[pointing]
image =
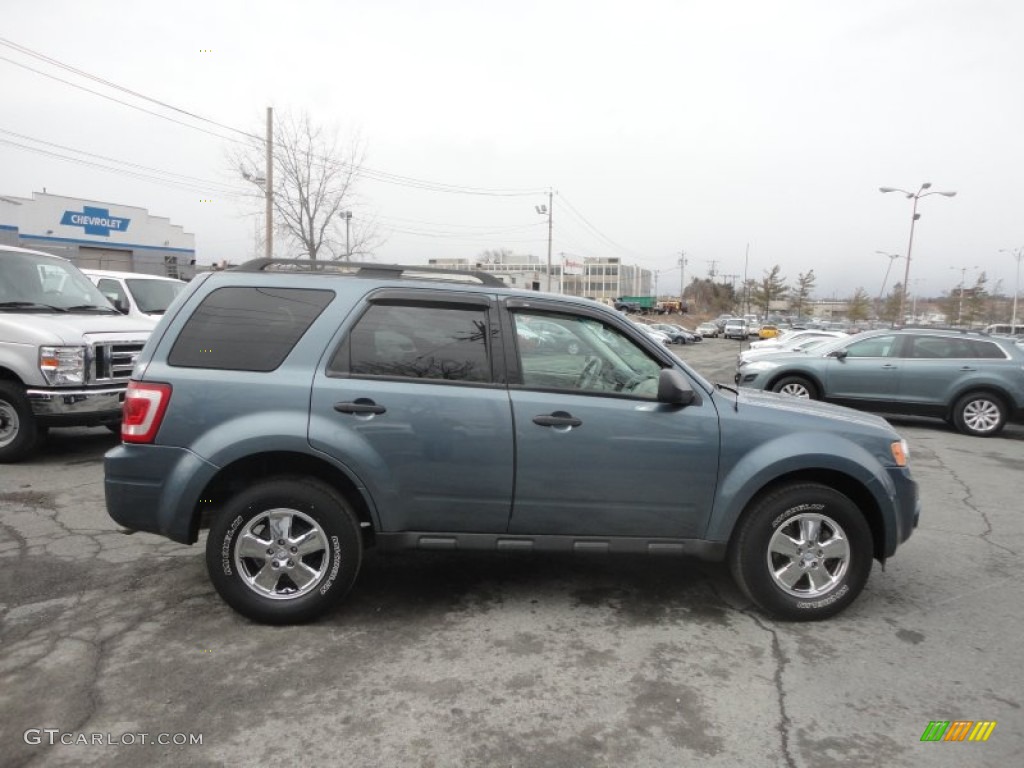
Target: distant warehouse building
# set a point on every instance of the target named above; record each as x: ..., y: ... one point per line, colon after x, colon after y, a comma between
x: 98, y: 235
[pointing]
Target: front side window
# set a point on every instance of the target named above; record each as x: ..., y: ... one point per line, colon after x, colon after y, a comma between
x: 247, y: 329
x: 879, y: 346
x: 418, y: 341
x: 580, y: 354
x: 154, y: 296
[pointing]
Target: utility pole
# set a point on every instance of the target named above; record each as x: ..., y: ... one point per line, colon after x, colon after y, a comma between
x: 549, y: 211
x: 269, y: 188
x: 711, y: 269
x: 682, y: 277
x: 746, y: 286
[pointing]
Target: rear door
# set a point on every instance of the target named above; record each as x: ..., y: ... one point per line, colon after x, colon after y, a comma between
x: 413, y: 402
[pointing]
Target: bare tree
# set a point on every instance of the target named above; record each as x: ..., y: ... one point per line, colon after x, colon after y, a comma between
x: 315, y: 179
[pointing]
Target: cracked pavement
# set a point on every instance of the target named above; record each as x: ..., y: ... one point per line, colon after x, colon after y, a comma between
x: 468, y: 660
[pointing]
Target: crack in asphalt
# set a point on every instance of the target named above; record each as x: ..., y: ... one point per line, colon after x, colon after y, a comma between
x: 785, y: 724
x: 969, y: 503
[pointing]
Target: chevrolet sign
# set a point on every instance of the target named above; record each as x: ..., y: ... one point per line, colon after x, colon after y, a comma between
x: 95, y: 221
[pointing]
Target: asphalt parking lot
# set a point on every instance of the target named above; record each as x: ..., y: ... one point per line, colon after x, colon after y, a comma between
x: 468, y: 660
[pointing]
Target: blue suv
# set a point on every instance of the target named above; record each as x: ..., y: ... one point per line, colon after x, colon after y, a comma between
x: 307, y: 411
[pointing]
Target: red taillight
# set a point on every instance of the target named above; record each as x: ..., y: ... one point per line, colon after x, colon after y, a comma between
x: 144, y: 406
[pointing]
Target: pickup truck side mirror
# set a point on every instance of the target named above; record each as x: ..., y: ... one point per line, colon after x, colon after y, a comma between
x: 674, y: 388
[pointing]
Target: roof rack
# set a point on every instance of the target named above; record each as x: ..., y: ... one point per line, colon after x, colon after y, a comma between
x: 366, y: 269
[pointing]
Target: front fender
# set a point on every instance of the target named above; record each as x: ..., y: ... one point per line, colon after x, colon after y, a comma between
x: 799, y: 452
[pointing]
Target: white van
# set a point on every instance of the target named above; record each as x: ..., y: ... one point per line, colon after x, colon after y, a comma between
x: 135, y: 294
x: 1005, y: 329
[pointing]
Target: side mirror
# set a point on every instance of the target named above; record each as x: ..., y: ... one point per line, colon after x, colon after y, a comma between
x: 674, y: 388
x: 121, y: 306
x: 839, y: 354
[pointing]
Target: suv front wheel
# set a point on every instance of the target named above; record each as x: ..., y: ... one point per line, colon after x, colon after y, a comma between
x: 285, y: 550
x: 803, y: 552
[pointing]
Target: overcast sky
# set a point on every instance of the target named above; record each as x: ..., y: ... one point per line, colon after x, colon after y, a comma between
x: 663, y: 126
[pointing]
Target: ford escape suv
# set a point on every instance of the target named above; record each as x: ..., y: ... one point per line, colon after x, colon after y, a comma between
x: 305, y: 411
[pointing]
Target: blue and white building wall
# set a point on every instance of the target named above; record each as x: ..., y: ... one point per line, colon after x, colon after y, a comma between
x: 98, y: 235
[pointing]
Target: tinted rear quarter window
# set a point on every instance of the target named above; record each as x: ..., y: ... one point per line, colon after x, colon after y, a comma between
x: 247, y: 328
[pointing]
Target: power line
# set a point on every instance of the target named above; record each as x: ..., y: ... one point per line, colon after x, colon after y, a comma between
x: 205, y: 183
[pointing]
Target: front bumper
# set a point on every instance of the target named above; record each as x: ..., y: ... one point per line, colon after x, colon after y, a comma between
x: 78, y: 406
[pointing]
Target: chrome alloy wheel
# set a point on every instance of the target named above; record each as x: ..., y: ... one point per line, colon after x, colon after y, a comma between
x: 980, y: 415
x: 282, y: 554
x: 796, y: 389
x: 8, y: 423
x: 808, y: 555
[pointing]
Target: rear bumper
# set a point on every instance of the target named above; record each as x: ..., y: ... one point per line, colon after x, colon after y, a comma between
x: 156, y: 489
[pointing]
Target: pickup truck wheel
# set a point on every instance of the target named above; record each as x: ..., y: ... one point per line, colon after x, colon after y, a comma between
x: 19, y: 433
x: 797, y: 386
x: 802, y: 552
x: 979, y: 414
x: 284, y: 550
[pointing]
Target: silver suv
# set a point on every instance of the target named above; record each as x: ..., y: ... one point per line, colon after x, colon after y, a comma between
x: 972, y: 380
x: 306, y: 411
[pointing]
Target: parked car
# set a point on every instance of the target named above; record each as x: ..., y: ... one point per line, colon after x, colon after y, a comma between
x: 305, y: 412
x: 972, y: 381
x: 801, y: 344
x: 676, y: 333
x: 136, y: 294
x: 736, y: 328
x: 768, y: 332
x: 790, y: 337
x: 709, y: 330
x: 65, y: 352
x: 556, y: 337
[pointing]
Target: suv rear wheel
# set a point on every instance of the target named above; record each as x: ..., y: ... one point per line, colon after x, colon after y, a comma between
x: 803, y: 552
x: 285, y: 550
x: 979, y: 414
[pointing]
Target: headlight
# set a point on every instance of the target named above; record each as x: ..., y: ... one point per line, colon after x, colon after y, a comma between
x: 62, y: 366
x: 900, y: 453
x: 758, y: 366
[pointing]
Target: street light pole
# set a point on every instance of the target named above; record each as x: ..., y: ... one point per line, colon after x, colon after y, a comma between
x: 269, y: 188
x: 914, y: 216
x: 347, y: 216
x: 549, y: 211
x: 881, y: 291
x: 960, y: 308
x: 682, y: 278
x: 1017, y: 253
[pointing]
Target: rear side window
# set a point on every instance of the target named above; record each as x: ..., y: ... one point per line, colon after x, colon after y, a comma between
x: 247, y: 329
x: 450, y: 343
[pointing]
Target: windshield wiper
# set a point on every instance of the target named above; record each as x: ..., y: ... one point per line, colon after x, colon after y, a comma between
x: 85, y: 307
x: 29, y: 305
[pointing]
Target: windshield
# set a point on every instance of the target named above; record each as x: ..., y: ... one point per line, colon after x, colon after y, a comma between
x: 154, y: 296
x: 31, y: 281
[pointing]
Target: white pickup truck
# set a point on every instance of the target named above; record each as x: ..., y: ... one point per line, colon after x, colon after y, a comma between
x: 65, y: 353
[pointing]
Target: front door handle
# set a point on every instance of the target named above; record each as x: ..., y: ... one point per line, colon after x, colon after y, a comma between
x: 362, y: 405
x: 557, y: 419
x: 888, y: 367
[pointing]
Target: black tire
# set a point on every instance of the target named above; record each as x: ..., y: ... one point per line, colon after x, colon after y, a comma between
x: 304, y: 586
x: 19, y: 433
x: 980, y: 414
x: 772, y: 523
x: 797, y: 386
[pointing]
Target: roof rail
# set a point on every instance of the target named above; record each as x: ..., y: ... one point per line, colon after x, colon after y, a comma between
x: 367, y: 269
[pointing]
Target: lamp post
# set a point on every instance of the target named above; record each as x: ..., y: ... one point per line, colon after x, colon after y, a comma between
x: 347, y: 216
x: 1017, y: 253
x: 914, y: 216
x: 548, y: 210
x: 881, y: 291
x: 960, y: 308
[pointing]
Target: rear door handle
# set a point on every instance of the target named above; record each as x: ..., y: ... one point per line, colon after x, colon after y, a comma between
x: 888, y: 367
x: 557, y: 419
x: 362, y: 405
x: 968, y: 368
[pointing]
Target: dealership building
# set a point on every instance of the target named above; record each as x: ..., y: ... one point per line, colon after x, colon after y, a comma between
x: 98, y: 235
